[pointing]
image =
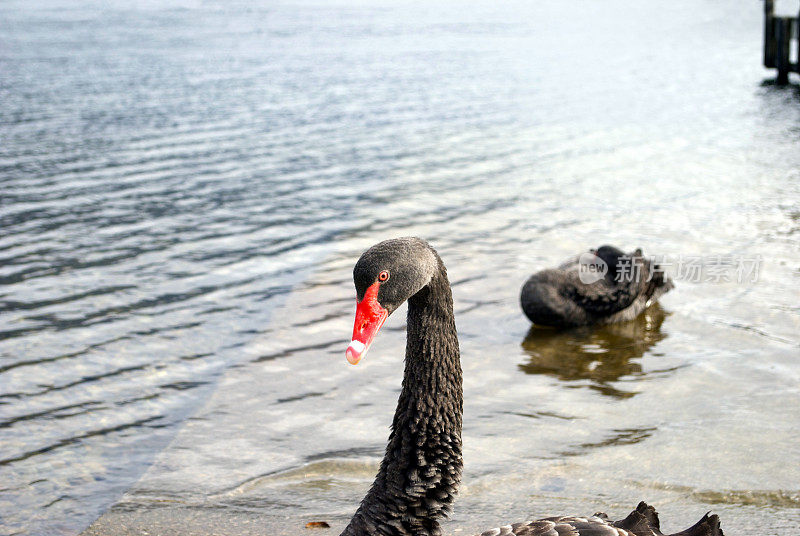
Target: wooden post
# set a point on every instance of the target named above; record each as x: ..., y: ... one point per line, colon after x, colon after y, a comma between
x: 783, y: 38
x: 769, y: 33
x: 797, y: 34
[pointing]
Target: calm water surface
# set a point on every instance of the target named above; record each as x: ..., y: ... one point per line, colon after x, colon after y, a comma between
x: 185, y: 186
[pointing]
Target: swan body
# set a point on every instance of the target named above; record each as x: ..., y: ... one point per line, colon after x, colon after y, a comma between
x: 421, y: 469
x: 570, y: 296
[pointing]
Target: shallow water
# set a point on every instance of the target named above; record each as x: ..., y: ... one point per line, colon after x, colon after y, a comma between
x: 185, y: 188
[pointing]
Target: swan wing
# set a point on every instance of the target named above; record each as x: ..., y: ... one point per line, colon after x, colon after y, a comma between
x: 560, y: 526
x: 601, y: 298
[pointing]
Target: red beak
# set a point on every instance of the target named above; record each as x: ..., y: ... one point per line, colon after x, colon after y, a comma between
x: 370, y: 316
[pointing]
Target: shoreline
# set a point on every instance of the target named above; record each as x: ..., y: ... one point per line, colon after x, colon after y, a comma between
x: 199, y: 521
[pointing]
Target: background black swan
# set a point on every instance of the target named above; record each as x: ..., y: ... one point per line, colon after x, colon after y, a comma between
x: 421, y: 470
x: 570, y: 296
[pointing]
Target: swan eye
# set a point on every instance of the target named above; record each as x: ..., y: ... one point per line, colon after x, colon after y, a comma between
x: 383, y: 276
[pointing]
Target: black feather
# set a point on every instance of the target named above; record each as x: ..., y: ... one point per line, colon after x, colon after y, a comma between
x: 558, y: 297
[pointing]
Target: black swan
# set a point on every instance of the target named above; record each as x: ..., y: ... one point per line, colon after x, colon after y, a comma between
x: 420, y: 473
x: 599, y: 287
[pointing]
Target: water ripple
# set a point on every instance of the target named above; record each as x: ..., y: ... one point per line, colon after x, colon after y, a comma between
x: 170, y: 177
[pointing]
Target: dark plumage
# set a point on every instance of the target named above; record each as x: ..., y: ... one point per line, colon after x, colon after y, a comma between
x: 643, y: 521
x: 420, y: 472
x: 570, y: 296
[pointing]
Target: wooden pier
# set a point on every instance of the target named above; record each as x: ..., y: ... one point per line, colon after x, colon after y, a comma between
x: 779, y: 32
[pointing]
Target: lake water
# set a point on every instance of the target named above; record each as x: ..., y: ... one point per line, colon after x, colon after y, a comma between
x: 186, y: 185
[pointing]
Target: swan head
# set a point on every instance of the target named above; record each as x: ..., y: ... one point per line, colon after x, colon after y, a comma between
x: 385, y: 276
x: 611, y: 256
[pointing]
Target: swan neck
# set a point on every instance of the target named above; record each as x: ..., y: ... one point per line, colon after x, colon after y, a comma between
x: 421, y: 470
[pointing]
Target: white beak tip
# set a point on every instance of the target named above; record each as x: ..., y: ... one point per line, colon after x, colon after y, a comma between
x: 355, y: 352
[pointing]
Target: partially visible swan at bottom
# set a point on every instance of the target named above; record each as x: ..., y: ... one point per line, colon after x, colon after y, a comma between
x: 421, y: 470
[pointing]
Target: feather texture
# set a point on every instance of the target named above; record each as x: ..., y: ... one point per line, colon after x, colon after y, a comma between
x: 564, y: 297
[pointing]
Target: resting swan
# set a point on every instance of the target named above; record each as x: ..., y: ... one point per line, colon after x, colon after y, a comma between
x: 598, y: 287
